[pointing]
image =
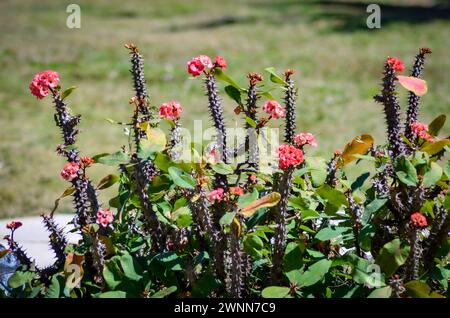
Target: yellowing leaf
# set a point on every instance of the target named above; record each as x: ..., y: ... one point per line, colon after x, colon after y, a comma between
x: 4, y: 252
x: 74, y: 263
x: 265, y: 202
x: 358, y: 146
x: 435, y: 147
x: 413, y: 84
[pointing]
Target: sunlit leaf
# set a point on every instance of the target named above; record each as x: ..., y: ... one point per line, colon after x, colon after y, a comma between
x: 359, y: 145
x: 265, y: 202
x: 67, y: 92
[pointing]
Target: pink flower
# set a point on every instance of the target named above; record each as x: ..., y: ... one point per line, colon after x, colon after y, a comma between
x: 87, y: 161
x: 305, y: 139
x: 216, y: 195
x: 220, y: 62
x: 274, y: 109
x: 197, y: 65
x: 396, y: 64
x: 237, y: 191
x: 289, y: 156
x: 170, y: 110
x: 253, y: 178
x: 13, y: 225
x: 421, y: 130
x: 104, y: 217
x: 70, y: 171
x: 41, y: 83
x: 418, y: 219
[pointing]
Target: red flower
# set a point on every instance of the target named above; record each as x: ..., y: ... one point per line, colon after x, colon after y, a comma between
x: 104, y: 217
x: 396, y: 64
x: 418, y: 220
x: 305, y: 139
x: 170, y: 110
x: 237, y: 191
x: 421, y: 130
x: 253, y: 178
x: 13, y: 225
x: 289, y: 156
x: 216, y: 195
x: 237, y: 110
x: 70, y: 171
x: 274, y: 109
x: 198, y: 64
x: 220, y: 62
x: 87, y: 161
x: 41, y: 83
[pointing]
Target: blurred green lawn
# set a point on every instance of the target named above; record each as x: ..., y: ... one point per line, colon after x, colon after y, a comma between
x: 338, y: 60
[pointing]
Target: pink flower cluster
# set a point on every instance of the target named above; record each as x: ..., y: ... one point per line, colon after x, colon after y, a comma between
x: 396, y: 64
x: 421, y: 130
x: 104, y: 217
x: 199, y: 63
x: 418, y: 219
x: 305, y: 138
x: 41, y: 83
x: 238, y: 191
x: 70, y: 171
x: 289, y: 156
x: 13, y: 225
x: 86, y: 161
x: 170, y: 110
x: 274, y: 109
x: 216, y: 195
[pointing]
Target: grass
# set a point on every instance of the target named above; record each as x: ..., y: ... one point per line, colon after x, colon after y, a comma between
x: 338, y: 60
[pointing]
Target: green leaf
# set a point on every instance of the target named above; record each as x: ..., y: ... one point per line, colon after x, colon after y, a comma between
x: 20, y: 278
x: 359, y: 182
x: 447, y: 168
x: 253, y: 245
x: 406, y: 172
x: 220, y: 75
x: 384, y: 292
x: 329, y: 233
x: 164, y: 292
x: 248, y: 198
x: 433, y: 175
x: 418, y: 289
x: 333, y: 196
x: 436, y: 125
x: 182, y: 216
x: 314, y: 273
x: 392, y: 256
x: 108, y: 181
x: 171, y: 260
x: 251, y: 122
x: 274, y: 77
x: 222, y: 168
x: 318, y: 169
x: 156, y: 142
x: 371, y: 208
x: 234, y: 93
x: 275, y: 292
x: 293, y: 257
x: 181, y: 178
x: 227, y: 218
x: 309, y: 214
x: 113, y: 294
x: 56, y: 288
x: 112, y: 273
x: 113, y: 159
x: 67, y: 92
x: 129, y: 267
